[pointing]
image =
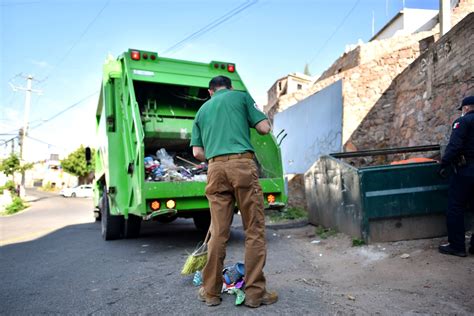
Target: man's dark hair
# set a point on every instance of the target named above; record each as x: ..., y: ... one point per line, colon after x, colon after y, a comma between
x: 220, y: 82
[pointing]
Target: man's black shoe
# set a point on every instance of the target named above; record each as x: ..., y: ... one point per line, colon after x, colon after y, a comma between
x: 448, y: 250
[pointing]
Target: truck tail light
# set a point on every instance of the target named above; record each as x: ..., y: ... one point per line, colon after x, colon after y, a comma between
x: 230, y: 67
x: 135, y: 55
x: 170, y: 204
x: 155, y: 205
x: 145, y: 56
x: 271, y: 198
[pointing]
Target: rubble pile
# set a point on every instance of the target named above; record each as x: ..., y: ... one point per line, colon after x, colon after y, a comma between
x: 162, y: 167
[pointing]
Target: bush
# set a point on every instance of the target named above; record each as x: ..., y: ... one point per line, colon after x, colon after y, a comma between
x: 9, y: 185
x: 291, y: 213
x: 16, y: 206
x: 356, y: 242
x: 49, y: 187
x: 325, y: 233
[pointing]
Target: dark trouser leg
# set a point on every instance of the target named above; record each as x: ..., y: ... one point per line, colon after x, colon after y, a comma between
x: 459, y: 194
x: 221, y: 201
x: 248, y: 193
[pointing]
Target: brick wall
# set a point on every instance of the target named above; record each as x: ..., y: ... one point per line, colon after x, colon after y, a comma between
x: 419, y: 105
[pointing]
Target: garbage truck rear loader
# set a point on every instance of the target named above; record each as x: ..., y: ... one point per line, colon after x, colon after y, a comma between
x: 144, y: 167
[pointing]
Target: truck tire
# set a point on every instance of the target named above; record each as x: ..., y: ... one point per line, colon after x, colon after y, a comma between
x: 202, y: 221
x: 166, y: 219
x: 112, y: 226
x: 132, y: 226
x: 73, y: 194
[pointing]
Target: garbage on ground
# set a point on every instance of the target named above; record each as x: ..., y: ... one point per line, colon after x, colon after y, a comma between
x: 162, y: 168
x: 197, y: 280
x: 234, y: 281
x: 405, y: 256
x: 316, y: 241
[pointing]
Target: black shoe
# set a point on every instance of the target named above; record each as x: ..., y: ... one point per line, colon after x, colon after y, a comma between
x: 448, y: 250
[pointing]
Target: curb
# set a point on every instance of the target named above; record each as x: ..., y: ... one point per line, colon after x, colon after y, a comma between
x: 17, y: 213
x: 287, y: 225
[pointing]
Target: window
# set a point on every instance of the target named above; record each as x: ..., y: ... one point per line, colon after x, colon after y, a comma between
x: 299, y: 86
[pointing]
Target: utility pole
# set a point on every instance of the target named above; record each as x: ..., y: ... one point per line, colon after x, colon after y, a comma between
x: 24, y: 130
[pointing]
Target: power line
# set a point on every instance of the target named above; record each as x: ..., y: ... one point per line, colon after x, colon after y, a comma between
x: 335, y: 31
x: 211, y: 25
x: 64, y: 111
x: 77, y: 41
x: 43, y: 142
x: 41, y: 122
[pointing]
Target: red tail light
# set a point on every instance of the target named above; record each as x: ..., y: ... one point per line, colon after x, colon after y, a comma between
x: 230, y: 67
x: 135, y: 55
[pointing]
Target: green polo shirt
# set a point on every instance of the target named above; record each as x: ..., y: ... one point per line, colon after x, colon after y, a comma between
x: 222, y: 124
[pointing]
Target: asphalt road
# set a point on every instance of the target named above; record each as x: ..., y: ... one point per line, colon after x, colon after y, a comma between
x: 54, y: 261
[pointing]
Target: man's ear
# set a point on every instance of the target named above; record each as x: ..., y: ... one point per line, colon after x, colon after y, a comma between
x: 211, y: 92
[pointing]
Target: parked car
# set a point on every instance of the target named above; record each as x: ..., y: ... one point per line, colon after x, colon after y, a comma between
x: 79, y: 191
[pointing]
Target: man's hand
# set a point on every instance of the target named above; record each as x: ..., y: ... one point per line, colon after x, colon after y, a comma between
x: 443, y: 172
x: 198, y: 153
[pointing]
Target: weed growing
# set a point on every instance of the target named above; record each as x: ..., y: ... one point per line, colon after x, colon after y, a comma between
x: 291, y: 213
x: 325, y: 233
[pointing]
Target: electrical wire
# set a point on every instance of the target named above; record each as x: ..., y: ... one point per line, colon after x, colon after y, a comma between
x: 41, y: 141
x: 63, y: 111
x: 74, y: 44
x: 174, y: 48
x: 334, y: 32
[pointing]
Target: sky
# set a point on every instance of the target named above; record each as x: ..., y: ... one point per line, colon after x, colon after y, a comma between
x: 63, y: 44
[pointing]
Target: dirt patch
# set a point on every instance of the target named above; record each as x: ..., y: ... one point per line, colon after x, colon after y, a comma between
x: 405, y: 277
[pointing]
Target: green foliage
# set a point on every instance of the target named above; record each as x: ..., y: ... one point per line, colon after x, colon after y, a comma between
x: 16, y: 206
x: 48, y: 187
x: 9, y: 185
x: 357, y: 242
x: 291, y: 213
x: 12, y: 164
x: 325, y: 233
x: 76, y: 164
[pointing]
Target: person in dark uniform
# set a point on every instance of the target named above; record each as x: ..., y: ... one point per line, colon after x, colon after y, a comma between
x: 459, y: 156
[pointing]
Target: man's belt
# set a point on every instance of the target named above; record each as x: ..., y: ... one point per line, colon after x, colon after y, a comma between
x: 246, y: 155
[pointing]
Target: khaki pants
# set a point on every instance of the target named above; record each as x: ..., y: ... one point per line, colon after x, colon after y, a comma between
x: 235, y: 180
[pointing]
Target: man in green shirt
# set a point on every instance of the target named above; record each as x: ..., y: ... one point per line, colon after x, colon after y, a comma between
x: 221, y: 135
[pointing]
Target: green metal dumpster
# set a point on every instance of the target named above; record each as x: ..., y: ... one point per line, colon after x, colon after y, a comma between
x: 377, y: 203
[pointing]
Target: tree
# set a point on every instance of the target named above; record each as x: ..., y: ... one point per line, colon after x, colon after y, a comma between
x: 12, y: 164
x: 76, y: 164
x: 306, y: 70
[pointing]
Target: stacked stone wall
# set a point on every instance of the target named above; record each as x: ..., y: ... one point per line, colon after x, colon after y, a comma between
x: 420, y: 104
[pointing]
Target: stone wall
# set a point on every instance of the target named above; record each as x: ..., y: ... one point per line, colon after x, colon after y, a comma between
x: 363, y: 83
x: 419, y: 105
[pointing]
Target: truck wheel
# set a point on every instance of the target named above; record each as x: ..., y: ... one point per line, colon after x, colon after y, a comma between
x: 112, y: 226
x: 73, y: 194
x: 132, y: 226
x: 202, y: 221
x: 166, y: 219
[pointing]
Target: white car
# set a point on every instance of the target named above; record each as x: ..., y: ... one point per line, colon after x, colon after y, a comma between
x: 79, y: 191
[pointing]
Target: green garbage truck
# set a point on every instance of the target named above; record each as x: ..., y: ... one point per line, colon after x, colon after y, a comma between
x: 144, y: 168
